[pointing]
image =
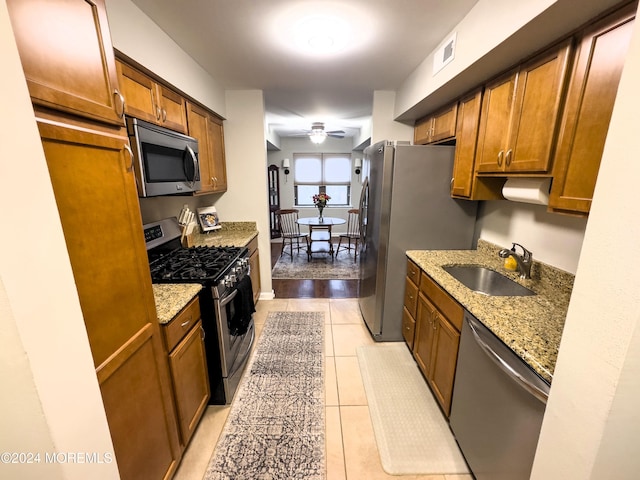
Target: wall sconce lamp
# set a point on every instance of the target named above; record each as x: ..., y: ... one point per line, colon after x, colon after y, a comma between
x: 357, y: 163
x: 286, y: 165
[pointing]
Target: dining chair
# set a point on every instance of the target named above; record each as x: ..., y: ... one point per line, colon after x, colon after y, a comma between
x: 353, y: 233
x: 290, y: 230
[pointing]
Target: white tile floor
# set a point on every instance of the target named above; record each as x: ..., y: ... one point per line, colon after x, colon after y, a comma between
x: 352, y: 453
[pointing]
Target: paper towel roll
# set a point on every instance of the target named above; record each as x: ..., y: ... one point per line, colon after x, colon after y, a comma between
x: 527, y: 190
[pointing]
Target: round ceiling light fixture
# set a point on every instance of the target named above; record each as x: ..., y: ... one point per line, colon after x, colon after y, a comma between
x: 313, y: 29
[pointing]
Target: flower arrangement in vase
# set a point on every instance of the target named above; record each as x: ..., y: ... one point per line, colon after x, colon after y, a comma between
x: 320, y: 201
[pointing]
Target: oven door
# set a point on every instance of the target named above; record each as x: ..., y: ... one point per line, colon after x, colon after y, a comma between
x: 234, y: 349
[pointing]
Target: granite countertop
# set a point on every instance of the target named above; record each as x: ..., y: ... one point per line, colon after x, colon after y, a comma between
x: 171, y: 298
x: 531, y: 326
x: 235, y: 234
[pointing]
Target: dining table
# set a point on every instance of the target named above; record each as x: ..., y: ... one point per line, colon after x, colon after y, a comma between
x: 320, y: 234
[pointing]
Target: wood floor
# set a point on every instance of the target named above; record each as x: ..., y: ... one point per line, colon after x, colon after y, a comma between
x: 311, y: 288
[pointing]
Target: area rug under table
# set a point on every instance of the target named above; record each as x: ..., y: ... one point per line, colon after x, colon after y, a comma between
x: 276, y: 425
x: 321, y: 267
x: 412, y: 434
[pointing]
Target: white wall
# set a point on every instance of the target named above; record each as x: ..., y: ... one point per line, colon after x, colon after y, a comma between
x: 246, y: 199
x: 135, y: 35
x: 50, y: 399
x: 289, y: 146
x: 554, y: 239
x: 592, y: 423
x: 383, y: 125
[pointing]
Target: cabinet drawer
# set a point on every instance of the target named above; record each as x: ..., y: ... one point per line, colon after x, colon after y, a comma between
x: 445, y: 303
x: 413, y: 272
x: 408, y: 327
x: 410, y: 296
x: 177, y: 328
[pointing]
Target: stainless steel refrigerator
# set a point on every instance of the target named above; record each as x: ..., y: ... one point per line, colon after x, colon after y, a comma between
x: 405, y: 205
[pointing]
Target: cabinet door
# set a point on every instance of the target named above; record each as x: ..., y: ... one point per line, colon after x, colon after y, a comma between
x: 445, y: 356
x: 92, y: 178
x: 422, y: 131
x: 219, y: 169
x: 208, y: 130
x: 172, y: 109
x: 67, y: 57
x: 139, y: 92
x: 191, y: 381
x: 424, y: 335
x: 539, y: 92
x: 497, y: 105
x: 592, y: 91
x: 444, y: 124
x: 198, y: 121
x: 466, y: 140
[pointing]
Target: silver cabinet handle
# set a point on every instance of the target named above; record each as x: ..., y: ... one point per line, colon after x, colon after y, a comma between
x: 158, y: 112
x: 500, y: 154
x: 204, y: 334
x: 184, y: 324
x: 164, y: 115
x: 117, y: 94
x: 508, y: 157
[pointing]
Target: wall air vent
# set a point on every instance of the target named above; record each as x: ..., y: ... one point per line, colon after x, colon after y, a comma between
x: 445, y: 53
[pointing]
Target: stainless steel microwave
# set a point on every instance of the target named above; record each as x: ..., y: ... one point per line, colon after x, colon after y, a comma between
x: 166, y: 162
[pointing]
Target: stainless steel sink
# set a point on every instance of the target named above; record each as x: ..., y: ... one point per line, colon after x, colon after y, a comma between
x: 486, y: 281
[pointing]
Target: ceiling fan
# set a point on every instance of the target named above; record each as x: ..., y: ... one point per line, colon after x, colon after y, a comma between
x: 318, y: 134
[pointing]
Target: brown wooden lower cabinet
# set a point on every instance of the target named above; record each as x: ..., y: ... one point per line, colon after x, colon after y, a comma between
x: 431, y: 327
x: 184, y: 339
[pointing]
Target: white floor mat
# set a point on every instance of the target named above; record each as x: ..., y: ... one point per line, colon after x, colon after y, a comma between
x: 412, y: 434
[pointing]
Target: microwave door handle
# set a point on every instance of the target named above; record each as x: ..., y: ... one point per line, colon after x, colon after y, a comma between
x: 192, y: 154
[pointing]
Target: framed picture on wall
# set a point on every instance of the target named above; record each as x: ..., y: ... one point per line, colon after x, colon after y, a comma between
x: 209, y: 220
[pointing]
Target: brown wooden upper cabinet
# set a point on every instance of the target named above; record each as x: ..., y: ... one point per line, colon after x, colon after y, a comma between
x: 436, y: 127
x: 207, y: 128
x: 520, y: 114
x: 149, y: 100
x: 600, y: 56
x: 72, y: 72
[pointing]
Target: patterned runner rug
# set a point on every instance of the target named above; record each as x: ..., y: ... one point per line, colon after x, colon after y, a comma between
x: 321, y: 267
x: 276, y: 426
x: 412, y: 434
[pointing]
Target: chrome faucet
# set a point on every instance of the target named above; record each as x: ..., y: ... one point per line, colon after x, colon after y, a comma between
x: 524, y: 261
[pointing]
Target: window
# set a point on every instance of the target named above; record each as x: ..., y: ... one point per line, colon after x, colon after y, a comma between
x: 328, y: 173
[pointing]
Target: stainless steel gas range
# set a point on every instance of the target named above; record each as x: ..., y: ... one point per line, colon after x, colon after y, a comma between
x: 226, y: 300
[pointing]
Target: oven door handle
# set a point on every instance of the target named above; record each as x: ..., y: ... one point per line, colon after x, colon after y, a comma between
x: 228, y: 298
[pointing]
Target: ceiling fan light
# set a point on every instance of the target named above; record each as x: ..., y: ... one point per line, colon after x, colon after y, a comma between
x: 318, y: 136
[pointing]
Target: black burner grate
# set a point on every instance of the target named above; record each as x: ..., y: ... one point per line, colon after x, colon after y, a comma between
x: 195, y: 264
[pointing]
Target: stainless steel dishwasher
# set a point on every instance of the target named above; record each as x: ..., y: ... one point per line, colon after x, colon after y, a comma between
x: 497, y: 407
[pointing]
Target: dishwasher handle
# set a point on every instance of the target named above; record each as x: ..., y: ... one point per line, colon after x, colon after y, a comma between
x: 504, y: 365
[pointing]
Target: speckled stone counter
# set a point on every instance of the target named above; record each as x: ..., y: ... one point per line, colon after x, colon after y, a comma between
x: 235, y: 234
x: 173, y: 297
x: 531, y: 326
